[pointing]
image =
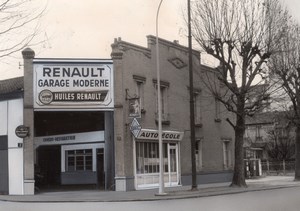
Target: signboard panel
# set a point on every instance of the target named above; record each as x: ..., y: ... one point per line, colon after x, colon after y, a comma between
x: 74, y: 138
x: 166, y: 135
x: 135, y: 127
x: 22, y: 131
x: 134, y: 108
x: 71, y: 84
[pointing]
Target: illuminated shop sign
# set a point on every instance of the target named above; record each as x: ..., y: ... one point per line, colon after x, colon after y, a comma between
x: 73, y: 84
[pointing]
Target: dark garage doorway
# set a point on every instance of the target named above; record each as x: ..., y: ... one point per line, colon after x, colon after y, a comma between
x: 48, y: 162
x: 48, y: 167
x: 100, y: 169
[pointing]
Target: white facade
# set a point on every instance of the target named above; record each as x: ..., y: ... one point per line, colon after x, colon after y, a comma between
x: 3, y: 119
x: 11, y: 112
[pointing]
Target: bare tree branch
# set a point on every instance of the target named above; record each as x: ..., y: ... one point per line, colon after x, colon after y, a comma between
x: 241, y: 35
x: 19, y: 21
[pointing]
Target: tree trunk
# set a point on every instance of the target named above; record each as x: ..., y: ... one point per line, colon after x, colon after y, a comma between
x: 238, y: 179
x: 297, y: 155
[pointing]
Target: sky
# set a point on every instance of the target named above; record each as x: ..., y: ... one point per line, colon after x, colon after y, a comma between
x: 87, y: 28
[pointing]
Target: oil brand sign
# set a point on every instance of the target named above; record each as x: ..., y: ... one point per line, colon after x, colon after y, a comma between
x: 71, y: 84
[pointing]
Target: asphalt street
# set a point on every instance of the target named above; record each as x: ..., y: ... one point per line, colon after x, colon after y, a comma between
x: 281, y: 199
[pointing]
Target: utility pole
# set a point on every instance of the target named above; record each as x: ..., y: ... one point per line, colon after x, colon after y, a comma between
x: 192, y: 108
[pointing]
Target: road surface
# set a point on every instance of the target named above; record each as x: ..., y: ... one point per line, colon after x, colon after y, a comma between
x: 284, y: 199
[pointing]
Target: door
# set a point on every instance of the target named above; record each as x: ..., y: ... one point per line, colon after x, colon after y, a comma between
x: 100, y: 168
x: 173, y: 172
x: 48, y: 167
x: 4, y: 165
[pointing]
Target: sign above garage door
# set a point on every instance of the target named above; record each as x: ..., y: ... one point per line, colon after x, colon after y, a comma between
x: 72, y: 84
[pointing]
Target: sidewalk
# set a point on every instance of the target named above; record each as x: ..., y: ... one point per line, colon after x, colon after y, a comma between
x: 266, y: 183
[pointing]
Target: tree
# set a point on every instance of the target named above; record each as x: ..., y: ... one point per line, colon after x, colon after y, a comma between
x: 241, y: 35
x: 285, y: 65
x: 19, y: 21
x: 281, y: 144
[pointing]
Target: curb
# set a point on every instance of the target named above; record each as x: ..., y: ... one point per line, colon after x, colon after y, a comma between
x: 170, y: 196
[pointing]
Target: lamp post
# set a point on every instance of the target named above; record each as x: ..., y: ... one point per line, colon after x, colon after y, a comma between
x: 160, y: 143
x: 192, y: 108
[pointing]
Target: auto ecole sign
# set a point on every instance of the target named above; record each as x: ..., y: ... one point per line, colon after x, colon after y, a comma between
x: 166, y: 135
x: 73, y: 84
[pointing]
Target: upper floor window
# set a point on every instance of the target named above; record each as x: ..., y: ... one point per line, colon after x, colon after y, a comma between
x: 139, y: 90
x: 217, y: 110
x: 197, y: 108
x: 164, y: 86
x: 258, y: 135
x: 281, y: 132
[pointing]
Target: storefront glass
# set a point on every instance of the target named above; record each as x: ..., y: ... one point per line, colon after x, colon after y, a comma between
x: 147, y: 164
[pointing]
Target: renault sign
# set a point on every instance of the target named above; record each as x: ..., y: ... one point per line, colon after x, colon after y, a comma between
x: 68, y: 84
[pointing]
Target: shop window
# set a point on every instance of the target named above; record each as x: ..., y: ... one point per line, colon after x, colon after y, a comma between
x: 147, y: 157
x: 79, y: 160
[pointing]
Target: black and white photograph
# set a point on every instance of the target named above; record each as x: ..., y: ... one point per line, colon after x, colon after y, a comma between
x: 150, y: 105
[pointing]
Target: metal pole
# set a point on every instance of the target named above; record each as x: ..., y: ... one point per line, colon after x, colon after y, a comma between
x: 192, y: 112
x: 160, y: 143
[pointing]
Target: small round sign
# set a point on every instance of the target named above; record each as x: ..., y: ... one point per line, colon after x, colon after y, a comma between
x: 46, y: 97
x: 22, y: 131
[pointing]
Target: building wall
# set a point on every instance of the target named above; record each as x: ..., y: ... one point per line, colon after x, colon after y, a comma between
x: 258, y: 132
x: 15, y: 150
x: 134, y: 63
x: 3, y: 120
x: 28, y: 55
x: 109, y: 151
x: 215, y: 129
x: 263, y: 128
x: 131, y: 63
x: 4, y: 165
x: 29, y: 150
x: 12, y: 116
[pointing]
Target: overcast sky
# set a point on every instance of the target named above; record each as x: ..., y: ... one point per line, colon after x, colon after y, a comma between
x: 87, y: 28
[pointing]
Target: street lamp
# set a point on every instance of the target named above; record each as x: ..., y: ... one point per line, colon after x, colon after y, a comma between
x: 192, y: 118
x: 160, y: 143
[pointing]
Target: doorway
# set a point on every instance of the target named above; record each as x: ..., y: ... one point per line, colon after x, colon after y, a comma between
x: 4, y: 165
x: 100, y: 169
x: 173, y: 174
x: 48, y: 167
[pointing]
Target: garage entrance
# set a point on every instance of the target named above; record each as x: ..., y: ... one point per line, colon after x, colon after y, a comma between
x: 48, y: 167
x: 70, y: 150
